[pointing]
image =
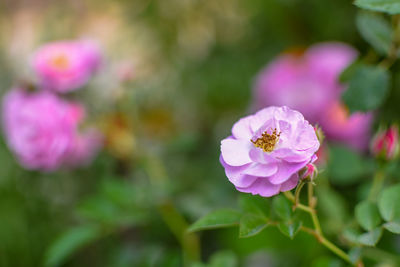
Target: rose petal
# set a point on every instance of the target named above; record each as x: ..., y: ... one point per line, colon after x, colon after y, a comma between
x: 236, y: 152
x: 260, y: 118
x: 261, y: 187
x: 261, y: 170
x: 241, y: 129
x: 285, y: 171
x: 235, y: 174
x: 291, y: 183
x: 258, y: 155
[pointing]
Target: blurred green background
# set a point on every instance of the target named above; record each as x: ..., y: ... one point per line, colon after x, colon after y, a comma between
x: 192, y: 64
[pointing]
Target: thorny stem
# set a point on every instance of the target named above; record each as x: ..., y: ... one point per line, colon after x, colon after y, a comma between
x: 317, y: 231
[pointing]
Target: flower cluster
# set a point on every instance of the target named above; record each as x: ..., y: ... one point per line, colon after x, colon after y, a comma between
x: 267, y: 150
x: 309, y: 83
x: 41, y: 128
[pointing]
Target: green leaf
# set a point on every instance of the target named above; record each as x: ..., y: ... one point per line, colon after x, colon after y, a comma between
x: 375, y: 30
x: 217, y: 219
x: 367, y: 88
x: 367, y: 215
x: 282, y: 207
x: 224, y: 259
x: 389, y: 203
x: 255, y: 204
x: 70, y: 242
x: 370, y: 238
x: 333, y: 207
x: 355, y: 254
x: 326, y: 261
x: 345, y: 165
x: 393, y: 227
x: 389, y: 6
x: 251, y: 225
x: 290, y: 229
x: 348, y: 72
x: 351, y: 235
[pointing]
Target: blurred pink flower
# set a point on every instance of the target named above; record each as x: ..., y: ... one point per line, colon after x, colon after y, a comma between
x: 41, y: 129
x: 309, y: 83
x: 339, y: 125
x: 267, y: 150
x: 65, y: 66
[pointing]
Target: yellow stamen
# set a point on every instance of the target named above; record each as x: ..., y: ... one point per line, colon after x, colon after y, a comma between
x: 267, y: 141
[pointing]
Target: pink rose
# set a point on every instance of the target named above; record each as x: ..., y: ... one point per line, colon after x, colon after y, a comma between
x: 65, y: 66
x: 41, y: 129
x: 267, y: 150
x: 339, y: 125
x: 309, y: 83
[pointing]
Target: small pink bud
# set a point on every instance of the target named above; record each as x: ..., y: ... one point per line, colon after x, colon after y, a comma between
x: 310, y: 171
x: 386, y: 143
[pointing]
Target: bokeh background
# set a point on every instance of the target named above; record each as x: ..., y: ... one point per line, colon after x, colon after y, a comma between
x: 177, y: 75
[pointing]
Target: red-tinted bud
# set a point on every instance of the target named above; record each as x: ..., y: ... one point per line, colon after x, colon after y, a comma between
x: 386, y: 143
x: 310, y: 171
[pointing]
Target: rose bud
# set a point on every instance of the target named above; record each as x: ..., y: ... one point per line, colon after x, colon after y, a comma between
x: 385, y: 144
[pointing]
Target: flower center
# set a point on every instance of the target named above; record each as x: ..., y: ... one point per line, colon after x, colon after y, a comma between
x: 60, y: 61
x: 267, y: 141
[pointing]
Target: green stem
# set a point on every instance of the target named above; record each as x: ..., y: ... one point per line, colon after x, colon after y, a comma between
x: 377, y: 185
x: 317, y: 231
x: 174, y: 220
x: 335, y: 249
x: 178, y: 226
x: 329, y: 245
x: 297, y: 193
x: 300, y: 206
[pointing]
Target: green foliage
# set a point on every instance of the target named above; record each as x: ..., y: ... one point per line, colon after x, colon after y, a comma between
x: 393, y: 227
x: 255, y: 205
x: 217, y: 219
x: 367, y: 215
x: 116, y: 203
x: 345, y: 165
x: 355, y: 254
x: 69, y: 242
x: 370, y: 238
x: 289, y: 224
x: 290, y: 228
x: 389, y: 203
x: 367, y: 89
x: 254, y: 217
x: 220, y: 259
x: 388, y: 6
x: 282, y: 208
x: 332, y: 206
x: 326, y: 261
x: 252, y: 224
x: 376, y: 30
